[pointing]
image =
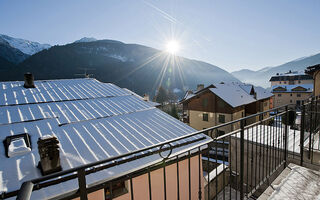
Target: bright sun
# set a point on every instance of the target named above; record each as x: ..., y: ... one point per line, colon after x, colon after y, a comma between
x: 172, y: 47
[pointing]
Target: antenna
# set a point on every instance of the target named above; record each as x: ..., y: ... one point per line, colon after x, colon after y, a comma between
x: 85, y: 73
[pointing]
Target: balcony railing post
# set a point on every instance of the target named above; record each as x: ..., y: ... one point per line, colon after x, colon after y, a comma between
x: 242, y: 124
x: 25, y: 191
x: 310, y: 127
x: 82, y: 184
x: 286, y: 137
x: 302, y: 120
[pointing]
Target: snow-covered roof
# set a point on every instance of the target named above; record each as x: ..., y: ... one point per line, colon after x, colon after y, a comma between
x: 235, y: 94
x: 92, y: 120
x: 291, y: 76
x: 232, y: 94
x: 289, y: 88
x: 263, y: 134
x: 260, y: 91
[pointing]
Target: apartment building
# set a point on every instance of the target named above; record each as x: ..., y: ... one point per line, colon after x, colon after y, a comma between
x: 291, y: 78
x: 57, y: 126
x: 291, y: 88
x: 221, y: 103
x: 291, y: 94
x: 314, y: 71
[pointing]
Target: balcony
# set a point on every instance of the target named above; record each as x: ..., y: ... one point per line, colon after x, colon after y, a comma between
x: 246, y: 163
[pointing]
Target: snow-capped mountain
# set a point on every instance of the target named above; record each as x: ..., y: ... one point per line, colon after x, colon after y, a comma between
x: 261, y: 77
x: 25, y: 46
x: 86, y: 39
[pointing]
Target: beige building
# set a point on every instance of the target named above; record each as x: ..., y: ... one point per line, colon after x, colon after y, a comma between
x: 221, y: 103
x: 314, y: 71
x: 291, y: 94
x: 291, y: 88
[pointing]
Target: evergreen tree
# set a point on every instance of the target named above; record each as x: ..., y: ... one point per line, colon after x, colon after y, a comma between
x: 161, y: 95
x: 174, y: 111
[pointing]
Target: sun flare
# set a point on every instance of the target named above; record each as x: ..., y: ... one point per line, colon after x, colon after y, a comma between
x: 172, y: 47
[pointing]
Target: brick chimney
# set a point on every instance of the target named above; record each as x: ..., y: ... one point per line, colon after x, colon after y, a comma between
x: 49, y: 155
x: 28, y: 80
x: 146, y: 97
x: 200, y: 87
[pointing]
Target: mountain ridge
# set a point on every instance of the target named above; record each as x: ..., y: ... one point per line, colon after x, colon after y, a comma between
x: 136, y: 67
x: 261, y: 77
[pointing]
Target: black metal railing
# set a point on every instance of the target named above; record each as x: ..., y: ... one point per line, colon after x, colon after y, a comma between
x: 237, y: 165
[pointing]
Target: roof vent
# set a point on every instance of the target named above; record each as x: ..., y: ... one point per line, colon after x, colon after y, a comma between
x: 28, y: 80
x: 49, y: 154
x: 17, y: 145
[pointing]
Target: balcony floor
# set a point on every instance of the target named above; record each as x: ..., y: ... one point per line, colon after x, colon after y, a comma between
x: 295, y: 182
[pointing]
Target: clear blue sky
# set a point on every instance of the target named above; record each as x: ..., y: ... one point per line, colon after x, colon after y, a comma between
x: 230, y: 34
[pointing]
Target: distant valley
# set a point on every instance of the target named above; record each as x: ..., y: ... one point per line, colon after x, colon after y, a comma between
x: 262, y: 77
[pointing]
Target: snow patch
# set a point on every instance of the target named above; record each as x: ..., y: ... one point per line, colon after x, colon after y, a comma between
x: 18, y: 147
x: 86, y: 39
x: 118, y: 57
x: 26, y: 46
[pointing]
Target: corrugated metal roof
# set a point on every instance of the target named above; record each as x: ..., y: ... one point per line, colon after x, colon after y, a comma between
x: 273, y: 136
x: 13, y: 93
x: 91, y: 126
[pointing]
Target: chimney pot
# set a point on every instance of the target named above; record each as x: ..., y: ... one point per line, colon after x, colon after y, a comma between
x: 49, y: 155
x: 28, y: 80
x: 200, y: 87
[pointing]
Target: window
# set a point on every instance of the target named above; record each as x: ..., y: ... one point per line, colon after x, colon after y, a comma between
x: 279, y: 95
x: 290, y: 101
x: 17, y: 145
x: 285, y: 82
x: 265, y: 104
x: 290, y: 95
x: 118, y: 189
x: 298, y: 95
x: 205, y: 102
x: 222, y: 119
x: 299, y: 81
x: 280, y: 82
x: 205, y: 117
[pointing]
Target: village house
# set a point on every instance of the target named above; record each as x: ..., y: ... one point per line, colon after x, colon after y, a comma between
x: 314, y: 72
x: 291, y: 88
x: 52, y: 126
x: 221, y: 103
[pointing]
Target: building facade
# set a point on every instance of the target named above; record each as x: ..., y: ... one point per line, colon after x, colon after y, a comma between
x: 291, y: 78
x: 291, y: 88
x: 221, y: 103
x: 314, y: 71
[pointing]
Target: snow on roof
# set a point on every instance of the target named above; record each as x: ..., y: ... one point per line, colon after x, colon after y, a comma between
x: 263, y: 134
x: 13, y: 93
x: 232, y: 94
x: 260, y: 91
x: 188, y: 95
x: 289, y: 88
x: 92, y: 121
